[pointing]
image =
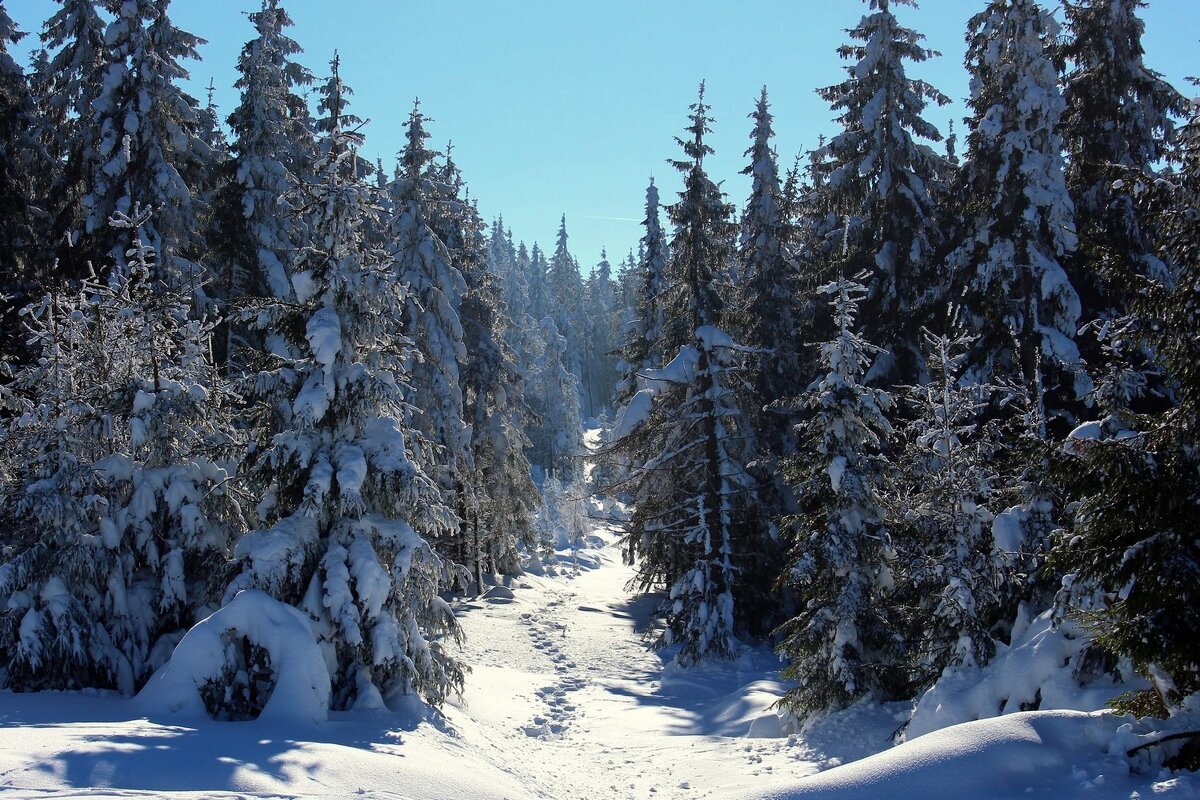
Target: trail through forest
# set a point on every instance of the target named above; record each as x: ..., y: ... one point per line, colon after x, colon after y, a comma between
x: 566, y: 685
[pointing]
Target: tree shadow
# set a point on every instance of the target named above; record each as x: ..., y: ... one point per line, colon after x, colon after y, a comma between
x: 106, y: 743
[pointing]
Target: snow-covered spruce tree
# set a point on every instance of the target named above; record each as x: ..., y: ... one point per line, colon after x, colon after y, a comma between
x: 843, y: 645
x: 74, y: 36
x: 556, y: 438
x: 257, y: 231
x: 150, y: 148
x: 514, y: 295
x: 1116, y: 126
x: 347, y: 513
x: 766, y: 299
x: 600, y: 317
x: 541, y: 299
x: 643, y: 335
x: 1133, y: 552
x: 948, y: 561
x: 878, y: 174
x: 431, y: 320
x: 505, y: 496
x: 696, y: 518
x: 19, y: 179
x: 124, y: 506
x: 816, y: 244
x: 501, y: 251
x: 703, y: 243
x: 565, y: 300
x: 1019, y: 216
x: 629, y: 277
x: 695, y: 507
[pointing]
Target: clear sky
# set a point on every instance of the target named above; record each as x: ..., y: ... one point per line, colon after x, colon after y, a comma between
x: 568, y: 106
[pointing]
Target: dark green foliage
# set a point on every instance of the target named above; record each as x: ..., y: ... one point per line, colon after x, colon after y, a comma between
x: 1134, y: 553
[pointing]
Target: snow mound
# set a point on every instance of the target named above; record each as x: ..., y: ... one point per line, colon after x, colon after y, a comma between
x: 1036, y: 754
x: 1024, y: 755
x: 498, y: 594
x: 1038, y: 670
x: 302, y: 681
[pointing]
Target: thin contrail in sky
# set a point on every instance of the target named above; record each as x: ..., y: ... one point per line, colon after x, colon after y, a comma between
x: 598, y: 216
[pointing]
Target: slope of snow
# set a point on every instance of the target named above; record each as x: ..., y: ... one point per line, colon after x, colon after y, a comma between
x: 1033, y: 754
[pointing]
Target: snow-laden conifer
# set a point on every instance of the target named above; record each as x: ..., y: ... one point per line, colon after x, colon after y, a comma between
x: 503, y: 495
x: 601, y: 325
x: 768, y: 292
x: 703, y: 243
x: 878, y: 172
x: 74, y: 39
x: 553, y: 392
x: 842, y: 644
x: 431, y: 320
x: 124, y: 507
x: 1020, y: 224
x: 347, y: 514
x: 1131, y: 558
x: 949, y: 559
x: 1117, y: 127
x: 643, y: 348
x: 22, y: 170
x: 149, y: 149
x: 565, y: 298
x: 272, y: 152
x: 686, y: 441
x: 696, y: 517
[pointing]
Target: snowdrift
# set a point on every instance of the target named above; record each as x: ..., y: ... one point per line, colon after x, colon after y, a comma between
x: 1033, y: 754
x: 302, y: 680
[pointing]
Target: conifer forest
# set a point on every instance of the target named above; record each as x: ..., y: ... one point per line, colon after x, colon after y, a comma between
x: 914, y: 423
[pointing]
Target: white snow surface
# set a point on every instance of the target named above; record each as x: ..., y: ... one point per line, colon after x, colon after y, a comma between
x: 1039, y: 754
x: 566, y: 701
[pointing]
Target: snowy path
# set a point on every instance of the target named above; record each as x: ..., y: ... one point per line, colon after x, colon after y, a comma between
x: 583, y: 706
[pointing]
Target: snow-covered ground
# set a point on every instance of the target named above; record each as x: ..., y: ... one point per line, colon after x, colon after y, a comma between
x: 566, y: 701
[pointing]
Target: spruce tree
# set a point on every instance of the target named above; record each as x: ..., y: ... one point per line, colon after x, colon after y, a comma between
x: 148, y: 150
x: 504, y: 495
x: 433, y: 323
x: 20, y: 163
x: 643, y: 338
x: 74, y: 36
x: 948, y: 558
x: 1019, y: 216
x: 1132, y: 555
x: 541, y: 299
x: 843, y: 643
x: 565, y: 299
x: 515, y: 296
x: 878, y: 173
x: 600, y: 316
x: 703, y: 243
x: 272, y: 151
x: 696, y: 515
x: 767, y: 294
x: 1117, y: 125
x: 347, y: 513
x: 556, y: 438
x: 125, y: 506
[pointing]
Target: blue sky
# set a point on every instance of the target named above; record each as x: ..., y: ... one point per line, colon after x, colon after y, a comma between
x: 567, y: 106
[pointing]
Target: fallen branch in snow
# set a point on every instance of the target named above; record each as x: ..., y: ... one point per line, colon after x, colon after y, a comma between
x: 1192, y: 736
